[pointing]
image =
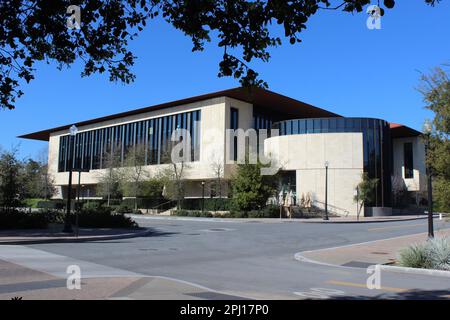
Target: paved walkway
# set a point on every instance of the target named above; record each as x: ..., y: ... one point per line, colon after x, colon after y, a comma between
x: 33, y: 236
x: 369, y: 253
x: 29, y: 273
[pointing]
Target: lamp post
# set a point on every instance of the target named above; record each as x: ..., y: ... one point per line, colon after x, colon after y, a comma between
x: 67, y: 223
x: 203, y: 196
x: 326, y: 191
x: 427, y: 128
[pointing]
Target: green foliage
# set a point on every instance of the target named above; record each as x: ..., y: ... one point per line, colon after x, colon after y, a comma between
x: 32, y: 203
x: 37, y: 181
x: 366, y: 191
x: 441, y: 194
x: 435, y: 89
x: 250, y: 189
x: 54, y: 204
x: 103, y: 217
x: 211, y: 204
x: 11, y: 180
x: 123, y: 208
x: 242, y: 28
x: 434, y: 254
x: 15, y: 219
x: 192, y: 213
x: 439, y: 253
x: 414, y: 257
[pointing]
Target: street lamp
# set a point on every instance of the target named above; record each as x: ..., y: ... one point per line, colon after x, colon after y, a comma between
x: 203, y: 196
x: 67, y: 223
x: 427, y: 128
x: 326, y: 191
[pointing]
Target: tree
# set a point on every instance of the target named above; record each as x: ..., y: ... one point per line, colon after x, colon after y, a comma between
x: 11, y: 180
x: 38, y: 183
x: 36, y: 30
x: 366, y: 192
x: 435, y: 89
x: 109, y: 179
x: 250, y: 189
x: 133, y: 173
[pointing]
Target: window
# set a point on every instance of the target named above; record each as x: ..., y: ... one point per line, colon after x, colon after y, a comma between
x: 234, y: 124
x: 89, y: 148
x: 408, y: 160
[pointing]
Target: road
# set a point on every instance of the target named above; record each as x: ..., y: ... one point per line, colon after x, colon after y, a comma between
x: 242, y: 259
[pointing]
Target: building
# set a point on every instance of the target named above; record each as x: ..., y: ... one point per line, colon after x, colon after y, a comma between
x: 308, y: 138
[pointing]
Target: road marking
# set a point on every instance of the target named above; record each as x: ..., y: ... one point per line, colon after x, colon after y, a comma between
x: 398, y: 226
x: 359, y: 285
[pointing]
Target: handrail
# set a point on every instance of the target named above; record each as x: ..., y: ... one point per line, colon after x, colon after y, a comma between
x: 161, y: 204
x: 346, y: 212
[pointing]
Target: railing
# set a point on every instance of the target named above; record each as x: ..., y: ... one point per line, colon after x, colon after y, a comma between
x: 334, y: 209
x: 162, y: 206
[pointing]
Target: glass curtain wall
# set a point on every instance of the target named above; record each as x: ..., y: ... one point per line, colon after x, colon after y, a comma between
x: 90, y: 147
x: 377, y: 145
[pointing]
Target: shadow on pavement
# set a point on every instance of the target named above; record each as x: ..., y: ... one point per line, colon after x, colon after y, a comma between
x: 407, y: 295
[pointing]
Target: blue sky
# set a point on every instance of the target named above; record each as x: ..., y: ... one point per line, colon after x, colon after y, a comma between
x: 340, y: 66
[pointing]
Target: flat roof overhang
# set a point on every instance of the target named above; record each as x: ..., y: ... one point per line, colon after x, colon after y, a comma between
x: 263, y: 99
x: 402, y: 131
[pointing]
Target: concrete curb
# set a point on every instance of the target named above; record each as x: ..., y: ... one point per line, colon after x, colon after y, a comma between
x: 369, y: 221
x: 265, y: 220
x: 144, y: 232
x: 425, y: 272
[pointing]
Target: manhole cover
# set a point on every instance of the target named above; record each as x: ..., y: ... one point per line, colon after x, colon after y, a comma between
x: 216, y: 230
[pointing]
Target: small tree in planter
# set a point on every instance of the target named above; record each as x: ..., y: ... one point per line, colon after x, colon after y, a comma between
x: 366, y: 191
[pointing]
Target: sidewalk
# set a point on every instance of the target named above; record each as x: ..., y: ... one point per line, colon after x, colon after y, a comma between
x: 362, y: 255
x: 34, y: 236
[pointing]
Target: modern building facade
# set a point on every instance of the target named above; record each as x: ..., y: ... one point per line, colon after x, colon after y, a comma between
x: 308, y: 137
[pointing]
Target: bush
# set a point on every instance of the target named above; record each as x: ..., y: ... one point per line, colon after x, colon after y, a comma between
x: 211, y: 204
x: 439, y: 253
x: 53, y: 216
x: 414, y: 257
x: 103, y: 218
x: 434, y: 254
x: 16, y: 219
x: 190, y: 213
x: 32, y: 202
x: 123, y: 208
x: 54, y: 204
x: 142, y: 203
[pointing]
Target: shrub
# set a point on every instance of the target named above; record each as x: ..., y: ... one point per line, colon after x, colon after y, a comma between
x: 103, y: 218
x: 16, y: 219
x: 439, y: 253
x: 434, y: 254
x: 414, y: 257
x: 53, y: 216
x: 192, y: 213
x: 123, y: 208
x: 32, y: 202
x: 54, y: 204
x: 211, y: 204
